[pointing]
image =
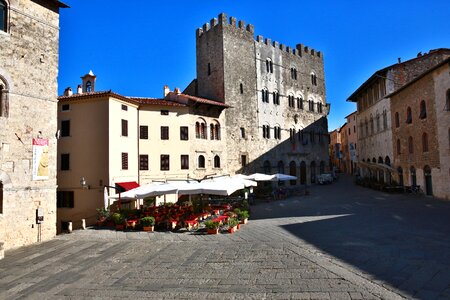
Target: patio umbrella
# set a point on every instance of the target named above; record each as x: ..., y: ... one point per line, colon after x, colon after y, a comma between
x: 156, y: 189
x: 282, y: 177
x: 105, y: 197
x: 261, y: 177
x: 187, y: 187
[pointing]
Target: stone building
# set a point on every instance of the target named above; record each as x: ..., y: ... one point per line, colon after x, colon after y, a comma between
x: 375, y: 148
x: 29, y: 41
x: 107, y: 139
x: 335, y: 149
x: 277, y: 120
x: 421, y: 131
x: 351, y: 139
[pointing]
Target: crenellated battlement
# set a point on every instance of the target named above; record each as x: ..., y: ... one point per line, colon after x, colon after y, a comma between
x: 222, y: 20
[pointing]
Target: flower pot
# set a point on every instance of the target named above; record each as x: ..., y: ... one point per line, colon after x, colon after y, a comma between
x: 238, y: 226
x: 244, y: 221
x: 213, y: 231
x: 149, y: 228
x: 232, y: 229
x: 119, y: 227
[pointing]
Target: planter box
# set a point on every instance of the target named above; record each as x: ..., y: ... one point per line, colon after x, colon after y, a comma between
x: 148, y: 228
x: 213, y: 231
x: 120, y: 227
x: 232, y: 229
x: 244, y: 221
x: 238, y: 226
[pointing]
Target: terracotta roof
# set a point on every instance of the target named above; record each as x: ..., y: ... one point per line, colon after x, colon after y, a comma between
x: 176, y: 97
x: 132, y: 100
x: 59, y: 3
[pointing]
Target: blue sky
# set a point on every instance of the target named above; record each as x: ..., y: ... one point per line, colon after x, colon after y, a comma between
x: 137, y: 47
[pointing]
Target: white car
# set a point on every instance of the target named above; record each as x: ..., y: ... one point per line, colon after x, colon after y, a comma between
x: 325, y: 178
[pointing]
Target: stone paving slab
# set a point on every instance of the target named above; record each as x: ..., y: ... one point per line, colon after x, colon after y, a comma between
x: 313, y: 247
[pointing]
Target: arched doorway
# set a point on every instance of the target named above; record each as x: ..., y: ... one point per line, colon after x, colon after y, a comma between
x: 313, y: 172
x: 412, y: 170
x: 322, y: 167
x: 302, y: 172
x: 428, y: 180
x: 281, y: 171
x: 293, y: 172
x: 266, y: 167
x: 400, y: 176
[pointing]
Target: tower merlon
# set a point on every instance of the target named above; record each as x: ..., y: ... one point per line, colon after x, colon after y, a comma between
x: 288, y: 49
x: 213, y: 22
x: 282, y: 46
x: 199, y: 32
x: 233, y: 21
x: 275, y: 44
x: 206, y: 27
x: 251, y: 28
x: 222, y: 19
x: 299, y: 48
x: 260, y: 39
x: 268, y: 41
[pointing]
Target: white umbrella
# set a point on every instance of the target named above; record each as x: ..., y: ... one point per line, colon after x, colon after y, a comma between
x: 282, y: 177
x: 105, y: 197
x: 261, y: 177
x: 151, y: 190
x: 220, y: 187
x: 185, y: 187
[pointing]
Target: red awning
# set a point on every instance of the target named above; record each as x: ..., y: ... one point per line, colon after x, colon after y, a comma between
x: 128, y: 185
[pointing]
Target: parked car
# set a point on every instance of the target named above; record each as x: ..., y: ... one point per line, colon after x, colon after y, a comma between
x: 325, y: 178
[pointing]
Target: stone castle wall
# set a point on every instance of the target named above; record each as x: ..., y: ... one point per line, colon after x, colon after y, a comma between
x: 29, y: 65
x: 240, y: 60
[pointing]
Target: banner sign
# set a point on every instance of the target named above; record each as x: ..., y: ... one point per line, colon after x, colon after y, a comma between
x: 40, y: 159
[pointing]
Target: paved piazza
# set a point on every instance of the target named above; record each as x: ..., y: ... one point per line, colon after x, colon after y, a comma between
x: 340, y: 242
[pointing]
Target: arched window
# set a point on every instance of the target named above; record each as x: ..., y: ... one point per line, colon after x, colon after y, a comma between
x: 425, y: 142
x: 385, y: 122
x: 367, y: 127
x: 408, y: 115
x: 378, y: 122
x: 217, y: 128
x: 241, y: 88
x: 276, y: 98
x: 313, y: 79
x: 203, y: 131
x: 216, y: 161
x: 299, y: 103
x: 371, y: 125
x: 447, y: 102
x: 201, y: 161
x: 423, y: 110
x: 313, y: 172
x: 374, y: 160
x: 398, y: 147
x: 281, y: 167
x: 387, y: 161
x: 397, y: 120
x: 380, y: 160
x: 197, y: 130
x: 269, y: 66
x: 88, y: 86
x: 267, y: 168
x: 3, y: 16
x: 410, y: 145
x: 265, y: 95
x: 212, y: 131
x: 400, y: 176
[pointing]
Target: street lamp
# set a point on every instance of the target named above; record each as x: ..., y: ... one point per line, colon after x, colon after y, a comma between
x: 83, y: 183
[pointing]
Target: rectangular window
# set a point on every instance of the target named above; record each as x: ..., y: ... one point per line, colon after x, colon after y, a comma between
x: 124, y: 107
x: 65, y: 199
x: 143, y: 132
x: 165, y: 166
x: 65, y: 128
x: 184, y: 162
x: 65, y: 107
x: 164, y: 112
x: 124, y: 161
x: 243, y: 160
x: 124, y: 127
x: 65, y: 162
x: 243, y: 132
x: 164, y: 132
x: 143, y: 162
x: 184, y: 133
x: 354, y: 128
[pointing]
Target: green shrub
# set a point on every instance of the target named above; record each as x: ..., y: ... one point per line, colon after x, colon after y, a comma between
x: 243, y: 214
x: 118, y: 219
x: 232, y: 222
x: 148, y: 221
x: 210, y: 224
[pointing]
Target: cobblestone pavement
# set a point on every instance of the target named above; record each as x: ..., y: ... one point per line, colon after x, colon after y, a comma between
x: 340, y: 242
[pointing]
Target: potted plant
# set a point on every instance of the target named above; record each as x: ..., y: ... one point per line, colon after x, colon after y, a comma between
x: 243, y: 216
x: 212, y: 226
x: 148, y: 223
x: 232, y: 225
x: 118, y: 220
x: 102, y: 216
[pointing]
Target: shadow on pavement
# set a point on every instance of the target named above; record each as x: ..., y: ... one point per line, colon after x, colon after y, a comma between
x: 399, y: 240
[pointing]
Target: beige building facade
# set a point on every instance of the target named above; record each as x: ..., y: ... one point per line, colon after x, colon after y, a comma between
x: 120, y: 142
x: 29, y: 41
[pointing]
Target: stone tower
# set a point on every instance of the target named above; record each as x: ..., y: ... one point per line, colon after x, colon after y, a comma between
x: 276, y: 94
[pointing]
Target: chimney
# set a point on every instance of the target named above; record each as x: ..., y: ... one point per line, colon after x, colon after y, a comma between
x: 166, y: 90
x: 399, y: 60
x: 79, y: 89
x: 177, y: 91
x: 68, y: 92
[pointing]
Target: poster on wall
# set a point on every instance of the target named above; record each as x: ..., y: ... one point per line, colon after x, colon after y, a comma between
x: 40, y: 159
